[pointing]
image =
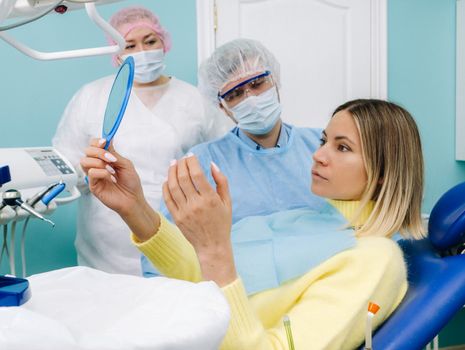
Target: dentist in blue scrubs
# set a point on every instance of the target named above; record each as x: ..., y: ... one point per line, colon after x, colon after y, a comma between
x: 266, y: 161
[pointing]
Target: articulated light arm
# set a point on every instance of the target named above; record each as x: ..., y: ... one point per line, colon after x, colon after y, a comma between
x: 104, y: 50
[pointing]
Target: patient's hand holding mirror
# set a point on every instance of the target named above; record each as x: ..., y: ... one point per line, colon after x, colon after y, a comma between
x: 118, y: 100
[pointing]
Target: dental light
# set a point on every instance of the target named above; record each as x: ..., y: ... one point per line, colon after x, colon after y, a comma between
x: 35, y: 9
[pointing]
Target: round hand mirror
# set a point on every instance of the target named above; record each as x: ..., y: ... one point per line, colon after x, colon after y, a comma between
x: 118, y: 100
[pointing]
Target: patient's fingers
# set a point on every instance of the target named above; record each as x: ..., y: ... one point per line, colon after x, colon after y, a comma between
x: 98, y: 142
x: 96, y: 175
x: 222, y: 187
x: 197, y: 176
x: 95, y: 152
x: 185, y: 181
x: 173, y: 185
x: 88, y: 163
x: 169, y: 201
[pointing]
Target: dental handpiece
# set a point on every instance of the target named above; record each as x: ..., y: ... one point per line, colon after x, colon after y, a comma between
x: 38, y: 196
x: 47, y: 194
x: 13, y: 199
x: 31, y: 211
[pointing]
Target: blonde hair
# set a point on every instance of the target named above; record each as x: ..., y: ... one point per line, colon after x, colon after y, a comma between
x: 393, y: 160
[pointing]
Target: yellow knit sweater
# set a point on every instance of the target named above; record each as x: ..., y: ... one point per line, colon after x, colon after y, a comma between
x: 326, y: 306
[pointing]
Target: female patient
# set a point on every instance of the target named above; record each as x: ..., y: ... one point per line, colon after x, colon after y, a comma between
x: 370, y: 168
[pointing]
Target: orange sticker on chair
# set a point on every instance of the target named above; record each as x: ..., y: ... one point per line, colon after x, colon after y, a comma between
x: 373, y: 308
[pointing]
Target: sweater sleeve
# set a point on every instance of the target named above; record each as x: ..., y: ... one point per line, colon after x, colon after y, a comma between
x: 327, y: 306
x: 171, y: 253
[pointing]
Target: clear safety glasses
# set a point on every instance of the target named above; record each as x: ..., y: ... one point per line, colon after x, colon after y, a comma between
x: 253, y: 86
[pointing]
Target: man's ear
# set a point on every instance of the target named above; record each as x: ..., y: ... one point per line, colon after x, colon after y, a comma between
x: 276, y: 87
x: 227, y: 112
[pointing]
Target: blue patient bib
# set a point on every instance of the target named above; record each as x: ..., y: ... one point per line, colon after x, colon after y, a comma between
x: 271, y: 250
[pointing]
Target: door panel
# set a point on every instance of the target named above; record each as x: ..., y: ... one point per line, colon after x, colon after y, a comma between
x: 329, y: 50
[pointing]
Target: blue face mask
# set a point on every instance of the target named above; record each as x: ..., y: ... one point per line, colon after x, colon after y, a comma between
x: 258, y: 114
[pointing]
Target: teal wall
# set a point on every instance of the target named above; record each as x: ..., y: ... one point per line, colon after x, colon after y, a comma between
x: 421, y: 76
x: 421, y: 64
x: 33, y: 95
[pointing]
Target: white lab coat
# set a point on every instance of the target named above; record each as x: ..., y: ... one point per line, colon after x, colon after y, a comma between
x: 150, y: 138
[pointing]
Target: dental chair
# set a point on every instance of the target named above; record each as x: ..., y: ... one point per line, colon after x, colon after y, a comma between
x: 436, y: 275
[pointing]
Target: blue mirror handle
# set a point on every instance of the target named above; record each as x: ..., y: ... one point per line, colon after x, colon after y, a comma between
x: 107, y: 143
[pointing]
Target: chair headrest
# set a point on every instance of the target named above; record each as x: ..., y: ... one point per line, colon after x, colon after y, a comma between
x: 446, y: 226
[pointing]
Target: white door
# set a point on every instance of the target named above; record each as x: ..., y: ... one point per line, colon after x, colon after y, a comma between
x: 330, y: 51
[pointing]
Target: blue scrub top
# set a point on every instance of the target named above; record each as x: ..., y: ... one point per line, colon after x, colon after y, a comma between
x: 262, y: 181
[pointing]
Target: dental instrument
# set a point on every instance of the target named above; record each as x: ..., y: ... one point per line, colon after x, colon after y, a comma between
x: 13, y: 199
x: 29, y: 170
x: 13, y: 291
x: 287, y: 327
x: 372, y: 310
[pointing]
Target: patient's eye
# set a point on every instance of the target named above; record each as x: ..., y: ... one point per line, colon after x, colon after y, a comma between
x: 343, y: 148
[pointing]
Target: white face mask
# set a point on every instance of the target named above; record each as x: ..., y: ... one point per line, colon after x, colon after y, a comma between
x: 258, y: 114
x: 148, y: 65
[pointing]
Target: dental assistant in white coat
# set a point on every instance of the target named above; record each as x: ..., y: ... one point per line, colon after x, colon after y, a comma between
x: 164, y: 118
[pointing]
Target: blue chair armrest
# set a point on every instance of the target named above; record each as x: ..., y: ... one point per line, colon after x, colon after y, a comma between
x: 436, y: 293
x: 436, y: 278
